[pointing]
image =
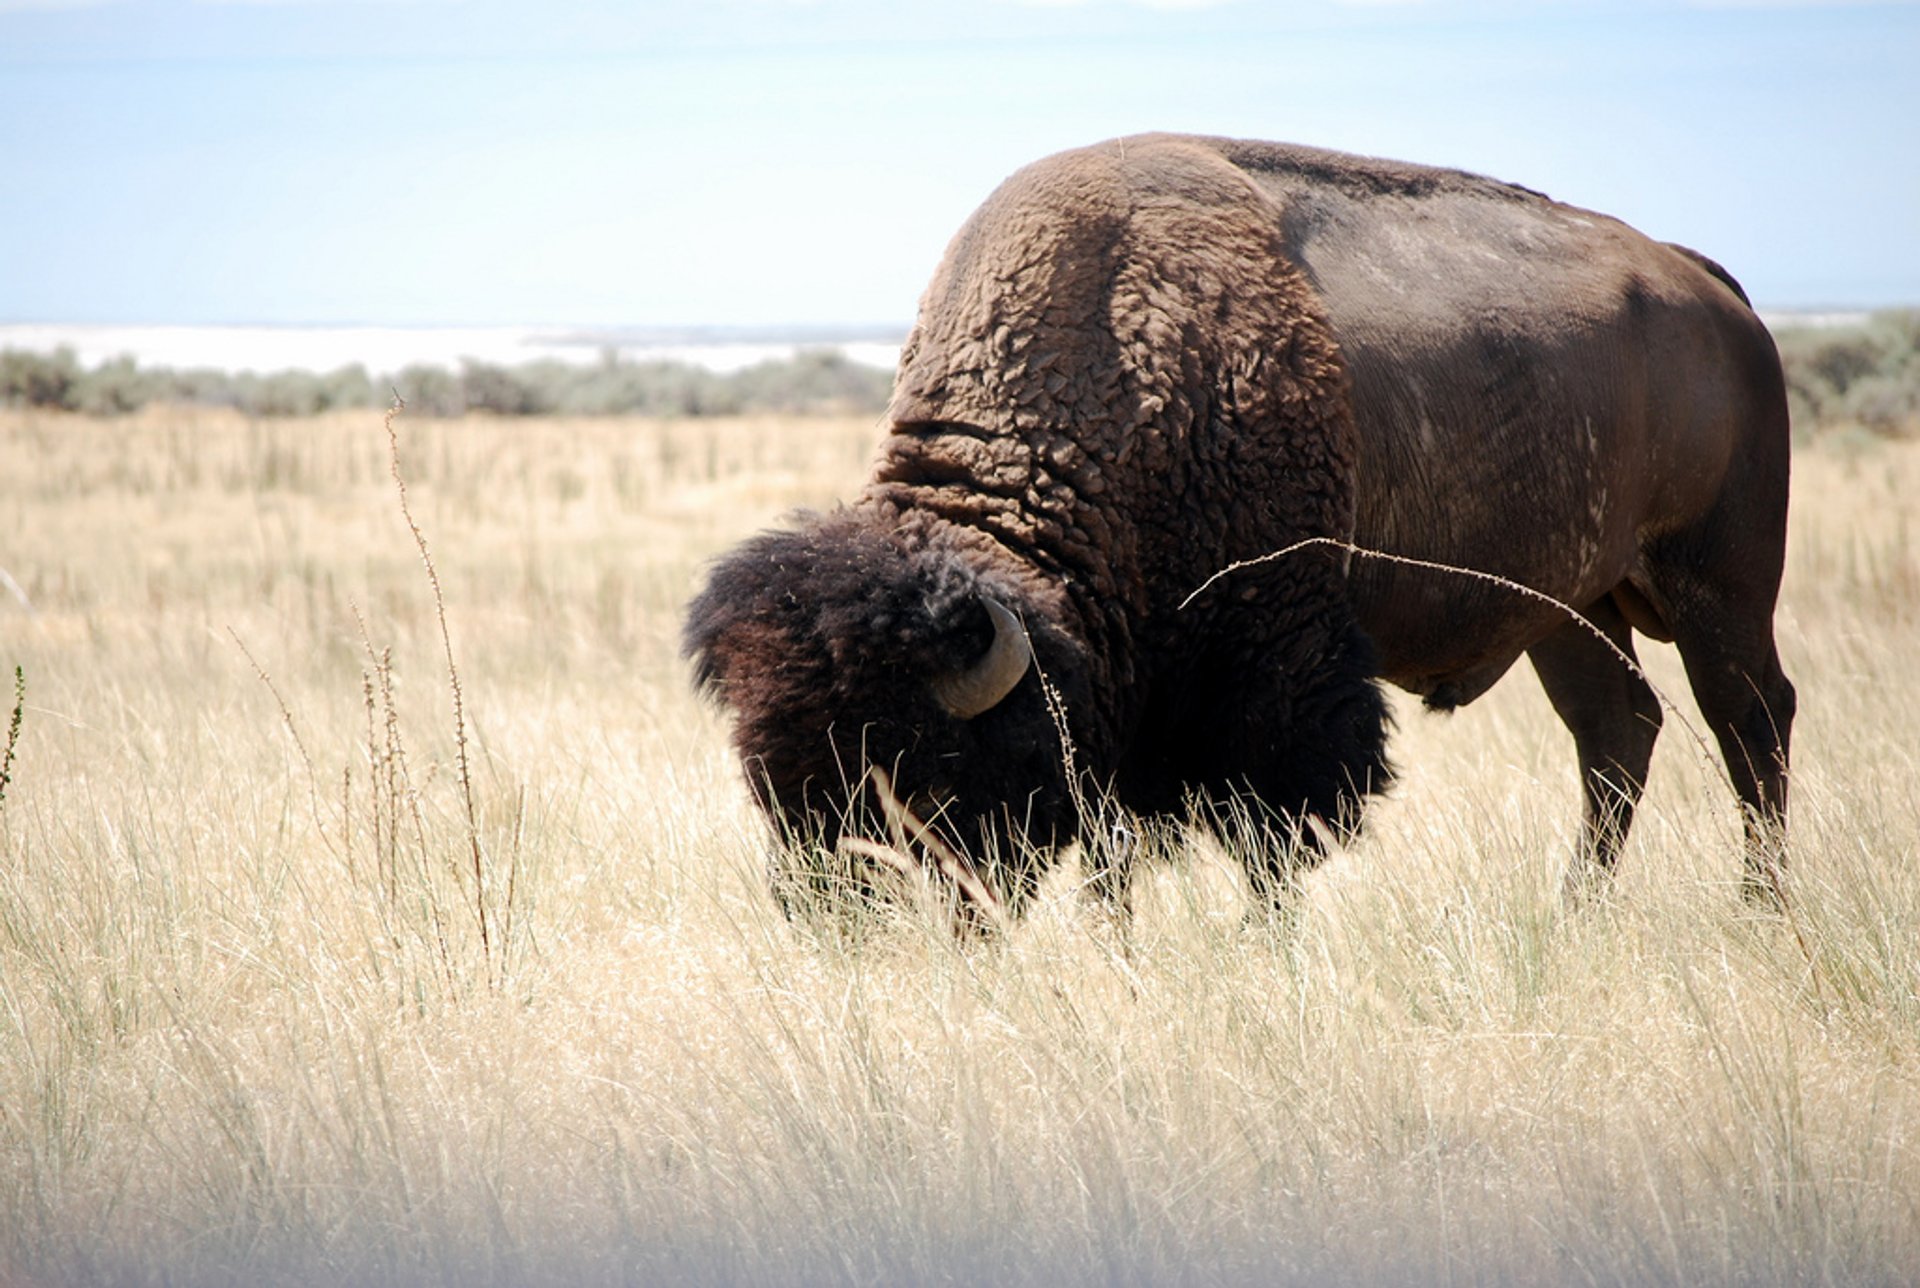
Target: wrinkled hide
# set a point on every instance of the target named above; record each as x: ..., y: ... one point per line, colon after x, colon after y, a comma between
x: 1142, y: 362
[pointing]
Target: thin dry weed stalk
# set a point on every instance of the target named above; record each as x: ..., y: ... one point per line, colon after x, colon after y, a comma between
x: 393, y: 801
x: 493, y: 915
x: 293, y: 731
x: 453, y: 683
x: 1476, y: 574
x: 13, y: 731
x: 403, y: 871
x: 12, y: 587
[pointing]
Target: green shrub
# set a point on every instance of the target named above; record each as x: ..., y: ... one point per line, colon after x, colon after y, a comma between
x: 1865, y: 375
x: 814, y: 379
x: 431, y: 391
x: 821, y: 380
x: 37, y: 379
x: 113, y: 388
x: 486, y: 386
x: 351, y: 386
x: 283, y: 393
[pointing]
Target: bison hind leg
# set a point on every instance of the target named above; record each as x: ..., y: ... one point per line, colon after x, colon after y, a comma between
x: 1717, y: 585
x: 1749, y: 703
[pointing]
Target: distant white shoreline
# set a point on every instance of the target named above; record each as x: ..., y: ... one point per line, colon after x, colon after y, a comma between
x: 1817, y: 318
x: 385, y: 350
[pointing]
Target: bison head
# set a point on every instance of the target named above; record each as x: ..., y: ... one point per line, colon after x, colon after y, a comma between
x: 847, y: 647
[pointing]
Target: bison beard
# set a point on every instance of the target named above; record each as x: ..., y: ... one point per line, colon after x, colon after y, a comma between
x: 1147, y: 361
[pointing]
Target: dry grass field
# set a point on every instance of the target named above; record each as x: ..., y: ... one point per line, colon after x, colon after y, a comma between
x: 258, y: 1022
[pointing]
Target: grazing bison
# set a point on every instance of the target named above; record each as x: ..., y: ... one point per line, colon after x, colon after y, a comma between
x: 1143, y: 362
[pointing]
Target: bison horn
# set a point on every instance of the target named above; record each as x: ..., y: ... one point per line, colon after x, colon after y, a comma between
x: 982, y: 686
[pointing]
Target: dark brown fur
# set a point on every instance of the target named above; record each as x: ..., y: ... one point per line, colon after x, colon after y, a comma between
x: 1146, y: 360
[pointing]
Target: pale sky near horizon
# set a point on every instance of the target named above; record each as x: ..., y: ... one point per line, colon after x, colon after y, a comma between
x: 771, y: 162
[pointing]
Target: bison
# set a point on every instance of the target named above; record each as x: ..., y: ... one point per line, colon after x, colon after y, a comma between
x: 1145, y: 362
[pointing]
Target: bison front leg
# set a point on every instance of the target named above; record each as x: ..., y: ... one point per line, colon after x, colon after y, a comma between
x: 1594, y: 681
x: 1276, y: 849
x: 1294, y: 756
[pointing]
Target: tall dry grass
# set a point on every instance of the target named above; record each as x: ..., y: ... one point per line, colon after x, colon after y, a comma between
x: 249, y: 1027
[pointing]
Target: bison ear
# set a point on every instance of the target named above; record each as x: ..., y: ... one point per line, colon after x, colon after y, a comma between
x: 985, y: 683
x: 734, y: 618
x: 775, y: 606
x: 701, y: 642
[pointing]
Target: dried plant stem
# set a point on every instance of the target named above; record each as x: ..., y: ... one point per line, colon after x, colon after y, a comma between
x: 13, y: 730
x: 453, y: 683
x: 293, y: 731
x: 12, y: 587
x: 1476, y: 574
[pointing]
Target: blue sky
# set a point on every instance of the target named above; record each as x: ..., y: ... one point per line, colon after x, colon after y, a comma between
x: 767, y: 162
